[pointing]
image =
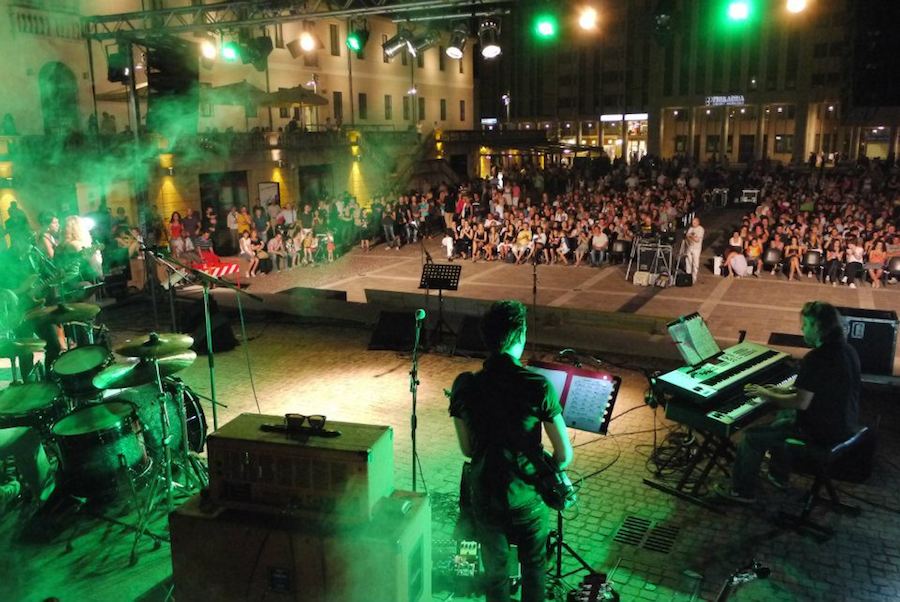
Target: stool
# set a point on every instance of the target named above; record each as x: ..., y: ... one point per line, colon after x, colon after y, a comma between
x: 817, y: 461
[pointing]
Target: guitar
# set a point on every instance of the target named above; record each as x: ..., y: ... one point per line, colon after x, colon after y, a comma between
x: 551, y: 482
x: 753, y: 571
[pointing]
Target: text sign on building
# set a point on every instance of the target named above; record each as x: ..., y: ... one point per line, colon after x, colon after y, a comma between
x: 719, y: 101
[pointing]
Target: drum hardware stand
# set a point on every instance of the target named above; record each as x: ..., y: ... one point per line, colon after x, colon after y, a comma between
x: 206, y: 280
x: 633, y: 256
x: 172, y: 270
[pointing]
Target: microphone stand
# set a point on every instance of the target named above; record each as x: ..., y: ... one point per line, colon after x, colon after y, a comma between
x: 534, y: 291
x: 206, y: 280
x: 413, y: 389
x: 171, y: 270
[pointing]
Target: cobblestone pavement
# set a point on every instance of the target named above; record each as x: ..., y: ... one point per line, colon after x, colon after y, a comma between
x: 308, y: 368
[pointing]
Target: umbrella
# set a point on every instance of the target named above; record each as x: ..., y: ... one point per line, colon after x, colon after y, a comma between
x: 240, y: 94
x: 298, y: 95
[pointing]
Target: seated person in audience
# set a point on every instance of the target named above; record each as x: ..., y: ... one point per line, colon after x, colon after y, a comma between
x: 599, y: 245
x: 309, y: 248
x: 735, y: 263
x: 448, y: 243
x: 479, y: 242
x: 853, y: 265
x: 821, y: 407
x: 256, y: 249
x: 490, y: 249
x: 276, y: 251
x: 792, y: 253
x: 875, y: 265
x: 834, y: 261
x: 522, y: 247
x: 753, y: 253
x: 183, y: 249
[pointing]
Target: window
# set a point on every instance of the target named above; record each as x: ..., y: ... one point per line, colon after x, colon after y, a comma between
x: 420, y: 60
x: 384, y: 40
x: 404, y: 58
x: 284, y: 112
x: 421, y: 115
x: 363, y: 106
x: 335, y: 36
x: 460, y: 61
x: 441, y: 58
x: 443, y: 109
x: 462, y: 109
x: 406, y: 108
x: 712, y: 143
x: 784, y: 143
x: 337, y: 104
x: 310, y: 59
x: 388, y: 107
x: 279, y: 35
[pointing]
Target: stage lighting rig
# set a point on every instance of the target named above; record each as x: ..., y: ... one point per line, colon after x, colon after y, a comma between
x: 393, y: 46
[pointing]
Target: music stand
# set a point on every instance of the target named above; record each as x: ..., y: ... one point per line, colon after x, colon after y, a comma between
x: 587, y: 398
x: 440, y: 276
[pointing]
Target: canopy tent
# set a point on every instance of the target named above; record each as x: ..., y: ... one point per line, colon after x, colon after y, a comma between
x: 239, y: 94
x: 298, y: 95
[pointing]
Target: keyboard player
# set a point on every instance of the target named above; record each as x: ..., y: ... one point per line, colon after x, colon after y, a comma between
x: 821, y: 407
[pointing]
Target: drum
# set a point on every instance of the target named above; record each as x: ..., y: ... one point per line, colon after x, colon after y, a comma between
x: 146, y: 401
x: 97, y: 444
x: 37, y: 405
x: 75, y: 369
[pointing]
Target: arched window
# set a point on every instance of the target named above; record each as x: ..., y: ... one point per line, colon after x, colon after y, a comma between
x: 59, y: 99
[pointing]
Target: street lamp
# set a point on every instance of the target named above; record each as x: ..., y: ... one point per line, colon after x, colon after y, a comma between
x: 506, y: 102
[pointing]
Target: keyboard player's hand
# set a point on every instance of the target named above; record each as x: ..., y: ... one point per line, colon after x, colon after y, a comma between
x: 753, y: 390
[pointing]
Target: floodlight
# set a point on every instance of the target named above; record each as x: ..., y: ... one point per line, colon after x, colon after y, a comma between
x: 423, y: 42
x: 230, y: 51
x: 458, y: 39
x: 208, y: 49
x: 358, y: 36
x: 796, y: 6
x: 394, y: 45
x: 307, y: 41
x: 588, y: 18
x: 546, y: 26
x: 739, y: 10
x: 489, y: 36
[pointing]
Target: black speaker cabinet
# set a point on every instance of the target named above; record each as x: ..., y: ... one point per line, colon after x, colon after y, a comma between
x: 396, y: 331
x: 873, y: 333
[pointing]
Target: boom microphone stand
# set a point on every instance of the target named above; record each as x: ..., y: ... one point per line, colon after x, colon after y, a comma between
x: 414, y: 387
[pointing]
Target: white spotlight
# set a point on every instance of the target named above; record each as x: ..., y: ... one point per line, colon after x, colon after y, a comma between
x: 489, y: 35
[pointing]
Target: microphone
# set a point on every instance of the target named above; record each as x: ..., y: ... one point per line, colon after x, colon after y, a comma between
x: 420, y: 315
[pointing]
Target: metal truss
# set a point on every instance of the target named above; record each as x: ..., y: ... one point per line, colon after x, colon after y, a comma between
x: 225, y: 16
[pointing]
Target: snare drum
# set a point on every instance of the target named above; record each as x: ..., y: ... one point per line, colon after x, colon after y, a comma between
x: 75, y: 369
x: 37, y: 405
x: 98, y: 446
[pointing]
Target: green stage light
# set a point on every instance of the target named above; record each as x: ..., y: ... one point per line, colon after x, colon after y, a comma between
x: 354, y: 43
x: 546, y: 26
x: 230, y: 51
x: 739, y: 10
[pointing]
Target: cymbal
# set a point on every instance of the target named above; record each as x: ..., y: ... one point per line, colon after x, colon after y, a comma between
x: 63, y: 313
x: 133, y: 373
x: 19, y: 398
x: 17, y: 347
x: 156, y: 345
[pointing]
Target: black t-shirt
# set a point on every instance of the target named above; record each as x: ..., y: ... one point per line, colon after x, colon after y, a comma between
x: 831, y: 373
x: 503, y: 406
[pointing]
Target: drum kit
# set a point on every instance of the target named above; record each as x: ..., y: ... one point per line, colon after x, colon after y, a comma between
x: 113, y: 423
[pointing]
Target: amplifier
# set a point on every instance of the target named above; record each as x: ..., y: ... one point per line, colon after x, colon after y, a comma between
x: 873, y: 333
x: 234, y: 555
x: 341, y: 477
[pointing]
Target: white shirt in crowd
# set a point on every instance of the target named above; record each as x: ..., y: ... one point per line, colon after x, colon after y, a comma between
x: 695, y: 236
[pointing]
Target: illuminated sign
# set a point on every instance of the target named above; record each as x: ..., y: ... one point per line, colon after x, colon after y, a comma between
x: 611, y: 117
x: 489, y: 121
x: 636, y: 117
x: 720, y: 101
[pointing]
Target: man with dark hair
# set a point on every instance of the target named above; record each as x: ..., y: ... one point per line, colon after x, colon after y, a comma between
x: 498, y: 413
x: 821, y: 407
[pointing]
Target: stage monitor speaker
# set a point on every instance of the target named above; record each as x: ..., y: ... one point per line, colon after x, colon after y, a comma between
x: 316, y: 293
x: 232, y: 556
x: 873, y: 333
x: 396, y: 331
x: 192, y: 321
x: 469, y: 341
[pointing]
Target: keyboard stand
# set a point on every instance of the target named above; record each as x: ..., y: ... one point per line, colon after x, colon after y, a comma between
x: 712, y: 450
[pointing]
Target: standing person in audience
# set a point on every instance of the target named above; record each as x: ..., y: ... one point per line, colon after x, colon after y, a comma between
x: 695, y: 236
x: 234, y: 233
x: 499, y: 414
x: 821, y: 407
x: 260, y: 223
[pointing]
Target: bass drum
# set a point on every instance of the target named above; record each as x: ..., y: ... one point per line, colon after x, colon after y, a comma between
x: 146, y: 399
x: 96, y: 444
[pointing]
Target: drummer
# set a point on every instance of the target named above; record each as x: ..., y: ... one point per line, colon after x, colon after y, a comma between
x: 30, y: 463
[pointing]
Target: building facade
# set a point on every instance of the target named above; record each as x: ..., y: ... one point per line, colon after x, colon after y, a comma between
x: 674, y: 77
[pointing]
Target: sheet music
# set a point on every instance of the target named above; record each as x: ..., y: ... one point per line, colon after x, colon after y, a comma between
x: 587, y: 402
x: 557, y: 379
